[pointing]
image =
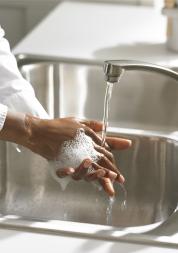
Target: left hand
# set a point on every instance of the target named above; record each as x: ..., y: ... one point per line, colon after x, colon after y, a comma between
x: 105, y: 171
x: 45, y: 138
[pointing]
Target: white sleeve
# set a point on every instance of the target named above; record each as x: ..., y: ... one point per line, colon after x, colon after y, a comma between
x: 3, y: 113
x: 15, y: 91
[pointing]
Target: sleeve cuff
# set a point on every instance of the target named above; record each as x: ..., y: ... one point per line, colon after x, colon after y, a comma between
x: 3, y: 114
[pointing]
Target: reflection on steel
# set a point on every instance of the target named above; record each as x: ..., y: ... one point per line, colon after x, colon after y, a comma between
x: 150, y: 166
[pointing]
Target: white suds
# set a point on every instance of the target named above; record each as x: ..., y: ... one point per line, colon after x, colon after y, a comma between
x: 73, y: 152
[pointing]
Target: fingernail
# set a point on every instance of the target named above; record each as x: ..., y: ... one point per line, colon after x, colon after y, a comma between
x: 130, y: 143
x: 112, y: 193
x: 87, y: 163
x: 121, y: 179
x: 64, y: 173
x: 106, y: 145
x: 70, y: 171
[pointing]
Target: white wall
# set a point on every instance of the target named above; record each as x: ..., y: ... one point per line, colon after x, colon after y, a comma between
x: 13, y: 21
x: 18, y: 17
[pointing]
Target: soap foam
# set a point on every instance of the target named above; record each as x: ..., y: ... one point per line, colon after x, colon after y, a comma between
x: 72, y: 154
x: 74, y: 151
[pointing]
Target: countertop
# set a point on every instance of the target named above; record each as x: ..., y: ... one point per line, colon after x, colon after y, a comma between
x: 101, y: 31
x: 93, y: 31
x: 20, y: 241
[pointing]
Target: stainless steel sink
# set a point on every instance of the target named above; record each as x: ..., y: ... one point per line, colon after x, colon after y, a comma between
x: 143, y: 108
x: 65, y: 87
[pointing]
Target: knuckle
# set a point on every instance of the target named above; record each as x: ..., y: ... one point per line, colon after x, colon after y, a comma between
x: 105, y: 159
x: 111, y: 156
x: 103, y: 150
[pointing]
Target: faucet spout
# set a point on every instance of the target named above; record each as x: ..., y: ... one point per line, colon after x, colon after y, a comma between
x: 113, y: 69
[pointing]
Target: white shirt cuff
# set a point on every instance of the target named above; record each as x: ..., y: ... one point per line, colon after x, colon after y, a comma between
x: 3, y: 114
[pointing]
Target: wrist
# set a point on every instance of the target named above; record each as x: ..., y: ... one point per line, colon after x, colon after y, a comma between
x: 32, y: 129
x: 15, y: 128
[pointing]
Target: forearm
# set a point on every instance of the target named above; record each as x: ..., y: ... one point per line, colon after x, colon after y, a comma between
x: 46, y: 138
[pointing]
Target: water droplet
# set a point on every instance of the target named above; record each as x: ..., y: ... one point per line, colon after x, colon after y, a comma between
x: 109, y: 211
x: 18, y: 149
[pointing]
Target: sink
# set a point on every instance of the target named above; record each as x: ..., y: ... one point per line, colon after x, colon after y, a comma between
x: 68, y: 87
x: 150, y: 168
x: 143, y: 109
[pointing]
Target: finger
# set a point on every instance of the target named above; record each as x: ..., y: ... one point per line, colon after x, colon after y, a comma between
x: 65, y: 172
x: 91, y: 131
x: 95, y: 137
x: 95, y: 175
x: 103, y: 172
x: 118, y: 143
x: 120, y: 178
x: 105, y: 152
x: 107, y: 186
x: 106, y: 163
x: 93, y: 124
x: 106, y: 173
x: 82, y: 170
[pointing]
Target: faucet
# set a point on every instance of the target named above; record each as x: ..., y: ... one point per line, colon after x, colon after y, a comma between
x: 113, y: 69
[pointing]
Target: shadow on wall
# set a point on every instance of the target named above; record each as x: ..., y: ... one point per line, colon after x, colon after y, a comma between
x: 19, y: 19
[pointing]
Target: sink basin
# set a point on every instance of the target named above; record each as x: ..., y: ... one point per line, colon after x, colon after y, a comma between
x: 66, y: 87
x: 150, y: 168
x: 143, y: 108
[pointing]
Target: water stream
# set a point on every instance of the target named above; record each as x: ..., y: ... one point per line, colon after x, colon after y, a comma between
x: 107, y: 99
x: 108, y: 94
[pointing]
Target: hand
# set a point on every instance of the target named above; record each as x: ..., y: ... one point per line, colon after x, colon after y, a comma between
x: 45, y: 138
x: 105, y: 171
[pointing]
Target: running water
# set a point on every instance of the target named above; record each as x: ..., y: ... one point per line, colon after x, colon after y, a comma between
x: 109, y: 211
x: 108, y: 95
x: 122, y: 203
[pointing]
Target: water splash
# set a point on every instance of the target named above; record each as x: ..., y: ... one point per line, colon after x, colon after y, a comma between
x: 18, y: 149
x: 109, y: 211
x: 111, y: 201
x: 124, y: 201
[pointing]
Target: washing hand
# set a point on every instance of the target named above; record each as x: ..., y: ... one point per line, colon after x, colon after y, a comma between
x: 45, y: 138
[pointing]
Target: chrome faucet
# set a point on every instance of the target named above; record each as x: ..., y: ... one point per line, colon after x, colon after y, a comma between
x: 113, y: 69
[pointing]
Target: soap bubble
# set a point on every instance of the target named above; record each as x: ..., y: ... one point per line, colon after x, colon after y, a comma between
x: 73, y: 152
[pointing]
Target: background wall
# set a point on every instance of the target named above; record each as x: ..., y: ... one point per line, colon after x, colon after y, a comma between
x: 18, y: 17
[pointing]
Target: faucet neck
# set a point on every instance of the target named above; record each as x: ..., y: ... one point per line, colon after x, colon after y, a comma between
x: 114, y: 68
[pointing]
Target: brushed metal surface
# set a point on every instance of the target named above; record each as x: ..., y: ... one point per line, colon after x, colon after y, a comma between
x: 113, y: 69
x: 143, y: 101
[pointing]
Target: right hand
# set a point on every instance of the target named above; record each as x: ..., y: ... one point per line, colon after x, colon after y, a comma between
x: 45, y: 138
x: 105, y: 171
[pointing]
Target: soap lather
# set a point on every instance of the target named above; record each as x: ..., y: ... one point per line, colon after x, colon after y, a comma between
x: 74, y: 151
